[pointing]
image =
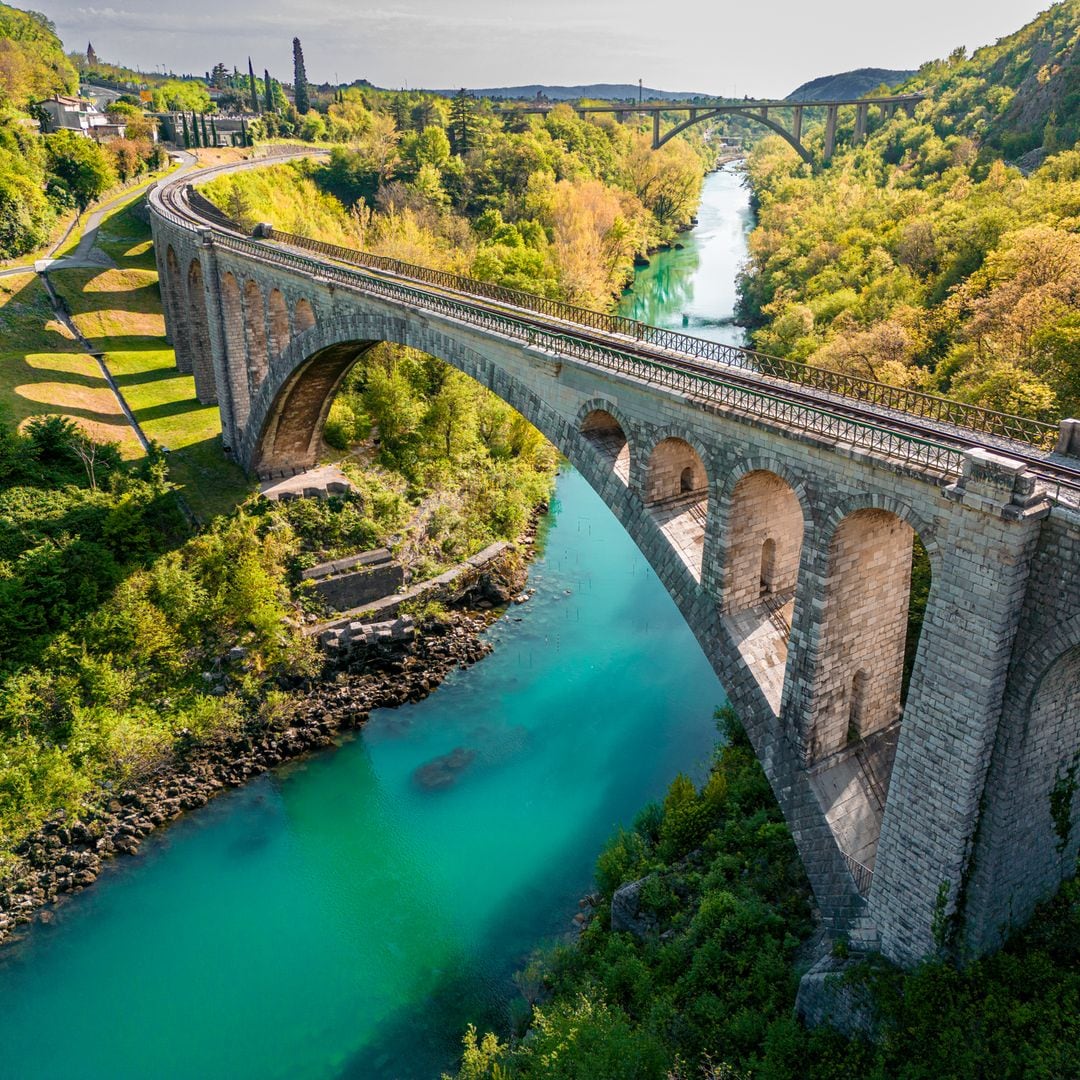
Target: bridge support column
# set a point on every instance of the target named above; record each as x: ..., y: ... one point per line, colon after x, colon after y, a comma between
x: 796, y: 123
x: 830, y: 132
x: 656, y: 130
x: 953, y: 710
x: 860, y: 122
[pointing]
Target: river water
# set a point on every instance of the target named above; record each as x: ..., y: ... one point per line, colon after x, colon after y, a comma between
x: 333, y: 919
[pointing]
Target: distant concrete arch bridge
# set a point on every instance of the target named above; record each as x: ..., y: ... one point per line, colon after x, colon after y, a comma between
x: 778, y: 504
x: 759, y: 111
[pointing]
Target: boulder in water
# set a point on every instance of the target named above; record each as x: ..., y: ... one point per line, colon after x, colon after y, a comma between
x: 442, y: 772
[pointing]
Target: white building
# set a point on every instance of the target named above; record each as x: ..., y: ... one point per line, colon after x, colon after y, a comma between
x: 78, y: 114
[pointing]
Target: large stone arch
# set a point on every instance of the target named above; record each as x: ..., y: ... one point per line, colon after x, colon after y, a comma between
x: 290, y: 407
x: 202, y: 360
x: 772, y: 125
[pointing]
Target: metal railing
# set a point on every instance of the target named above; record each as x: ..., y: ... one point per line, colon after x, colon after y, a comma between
x: 912, y: 402
x: 711, y: 390
x: 863, y: 876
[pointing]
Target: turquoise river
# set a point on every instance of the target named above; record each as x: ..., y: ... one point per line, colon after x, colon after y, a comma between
x: 331, y: 919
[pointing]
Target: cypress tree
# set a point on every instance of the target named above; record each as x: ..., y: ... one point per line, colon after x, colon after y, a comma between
x: 462, y: 123
x: 194, y: 129
x: 213, y: 132
x: 187, y: 137
x: 205, y: 137
x: 253, y: 88
x: 243, y: 133
x: 269, y: 91
x: 300, y: 86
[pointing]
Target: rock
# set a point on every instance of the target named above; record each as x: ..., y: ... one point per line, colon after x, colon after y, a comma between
x: 443, y: 771
x: 626, y: 914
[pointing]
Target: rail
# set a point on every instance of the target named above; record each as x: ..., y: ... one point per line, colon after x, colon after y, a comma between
x: 862, y: 875
x: 916, y: 403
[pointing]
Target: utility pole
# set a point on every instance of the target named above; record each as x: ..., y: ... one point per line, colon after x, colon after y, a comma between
x: 640, y: 90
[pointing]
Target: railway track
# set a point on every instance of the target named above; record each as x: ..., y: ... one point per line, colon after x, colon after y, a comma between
x: 939, y: 443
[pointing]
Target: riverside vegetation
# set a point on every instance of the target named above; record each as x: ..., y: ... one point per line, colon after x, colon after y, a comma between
x: 702, y: 983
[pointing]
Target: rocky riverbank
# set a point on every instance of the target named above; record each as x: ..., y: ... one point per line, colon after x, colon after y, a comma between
x: 66, y: 855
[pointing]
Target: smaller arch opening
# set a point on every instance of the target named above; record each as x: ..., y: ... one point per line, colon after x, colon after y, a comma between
x: 856, y: 706
x: 606, y: 434
x: 768, y: 567
x: 677, y: 494
x: 304, y: 316
x: 279, y: 323
x: 255, y: 335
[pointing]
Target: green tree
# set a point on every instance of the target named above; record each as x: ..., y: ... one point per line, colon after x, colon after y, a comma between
x: 268, y: 91
x: 219, y: 76
x: 463, y: 121
x: 253, y: 89
x: 81, y: 163
x: 300, y: 83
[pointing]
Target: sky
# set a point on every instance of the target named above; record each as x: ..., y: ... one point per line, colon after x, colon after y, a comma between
x: 764, y: 48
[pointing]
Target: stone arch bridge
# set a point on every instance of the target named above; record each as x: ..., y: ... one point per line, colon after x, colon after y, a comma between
x: 779, y: 505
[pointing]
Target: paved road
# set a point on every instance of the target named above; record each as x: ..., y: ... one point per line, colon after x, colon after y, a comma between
x: 87, y: 254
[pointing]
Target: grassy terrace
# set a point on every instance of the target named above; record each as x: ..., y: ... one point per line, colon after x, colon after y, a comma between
x: 43, y: 369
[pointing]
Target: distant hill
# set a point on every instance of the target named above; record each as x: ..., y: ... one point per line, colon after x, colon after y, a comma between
x: 603, y: 91
x: 848, y: 84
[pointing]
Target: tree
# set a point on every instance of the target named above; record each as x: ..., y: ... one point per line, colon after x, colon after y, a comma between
x: 81, y: 163
x: 205, y: 136
x: 300, y: 84
x: 463, y: 121
x: 268, y: 91
x: 252, y: 88
x: 187, y: 134
x: 219, y: 76
x: 195, y: 131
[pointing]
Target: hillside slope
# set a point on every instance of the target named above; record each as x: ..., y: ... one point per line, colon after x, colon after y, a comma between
x: 919, y: 258
x: 848, y: 84
x: 32, y: 60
